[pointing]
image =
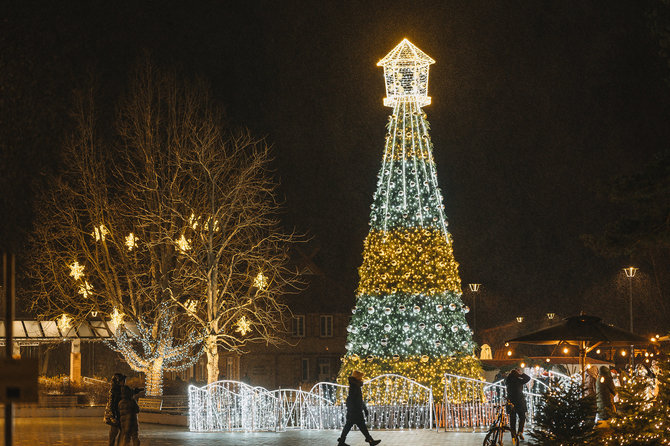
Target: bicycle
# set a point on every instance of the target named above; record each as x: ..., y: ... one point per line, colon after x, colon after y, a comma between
x: 494, y: 437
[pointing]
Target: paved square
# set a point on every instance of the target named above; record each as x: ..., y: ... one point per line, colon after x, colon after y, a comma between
x: 91, y: 431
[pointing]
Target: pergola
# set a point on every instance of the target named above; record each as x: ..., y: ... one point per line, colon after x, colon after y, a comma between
x: 34, y: 332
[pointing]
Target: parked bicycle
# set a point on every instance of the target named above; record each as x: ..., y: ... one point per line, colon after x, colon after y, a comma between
x: 494, y: 437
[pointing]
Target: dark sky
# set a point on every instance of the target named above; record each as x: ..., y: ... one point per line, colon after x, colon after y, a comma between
x: 535, y: 104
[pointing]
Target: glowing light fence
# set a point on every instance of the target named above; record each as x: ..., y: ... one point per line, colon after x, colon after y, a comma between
x: 471, y: 403
x: 394, y: 402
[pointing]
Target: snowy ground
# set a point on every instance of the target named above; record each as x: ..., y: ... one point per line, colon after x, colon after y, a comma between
x: 91, y: 431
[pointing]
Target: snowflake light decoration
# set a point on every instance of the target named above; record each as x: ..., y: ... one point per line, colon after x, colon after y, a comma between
x: 261, y: 282
x: 99, y: 233
x: 85, y: 289
x: 116, y: 318
x: 131, y: 241
x: 64, y: 323
x: 76, y: 270
x: 191, y: 305
x: 193, y: 221
x: 243, y: 326
x: 215, y: 225
x: 183, y: 244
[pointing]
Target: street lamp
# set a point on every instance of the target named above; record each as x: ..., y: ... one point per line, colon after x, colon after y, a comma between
x: 630, y: 273
x: 474, y: 288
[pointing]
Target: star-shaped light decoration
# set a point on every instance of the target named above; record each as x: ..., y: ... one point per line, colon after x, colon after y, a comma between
x: 260, y: 282
x: 183, y: 244
x: 243, y: 326
x: 193, y: 221
x: 99, y: 233
x: 131, y: 241
x: 85, y: 289
x: 116, y: 318
x: 191, y: 305
x: 64, y: 323
x: 215, y: 225
x: 76, y: 270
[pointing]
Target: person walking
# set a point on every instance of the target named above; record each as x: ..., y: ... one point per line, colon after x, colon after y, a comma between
x: 128, y: 410
x: 111, y: 415
x: 355, y: 409
x: 514, y: 383
x: 605, y: 391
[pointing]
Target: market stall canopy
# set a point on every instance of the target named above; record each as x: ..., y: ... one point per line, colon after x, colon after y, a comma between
x: 581, y: 329
x: 586, y: 332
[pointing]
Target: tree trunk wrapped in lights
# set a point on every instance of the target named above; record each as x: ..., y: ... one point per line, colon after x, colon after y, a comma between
x: 409, y: 317
x: 161, y: 226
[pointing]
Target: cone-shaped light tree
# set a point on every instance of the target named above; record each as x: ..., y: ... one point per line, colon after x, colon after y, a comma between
x: 409, y: 317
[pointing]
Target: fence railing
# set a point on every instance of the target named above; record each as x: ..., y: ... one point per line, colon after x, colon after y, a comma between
x: 394, y: 402
x: 470, y: 403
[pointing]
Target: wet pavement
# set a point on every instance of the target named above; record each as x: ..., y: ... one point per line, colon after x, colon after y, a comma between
x: 91, y: 431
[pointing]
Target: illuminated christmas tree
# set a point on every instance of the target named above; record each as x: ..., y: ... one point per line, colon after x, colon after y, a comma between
x: 409, y: 317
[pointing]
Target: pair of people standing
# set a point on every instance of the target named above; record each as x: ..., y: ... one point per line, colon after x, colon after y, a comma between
x: 121, y: 413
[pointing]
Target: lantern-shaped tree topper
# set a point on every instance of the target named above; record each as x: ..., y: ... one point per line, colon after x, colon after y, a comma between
x: 406, y: 74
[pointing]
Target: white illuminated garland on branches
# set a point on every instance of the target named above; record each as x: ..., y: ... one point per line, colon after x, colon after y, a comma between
x: 159, y: 353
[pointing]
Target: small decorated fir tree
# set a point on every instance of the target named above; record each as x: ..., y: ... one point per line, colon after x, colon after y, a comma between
x: 643, y: 411
x: 565, y: 418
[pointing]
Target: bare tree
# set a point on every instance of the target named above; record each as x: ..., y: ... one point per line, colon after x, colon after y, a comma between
x: 149, y: 225
x: 236, y: 250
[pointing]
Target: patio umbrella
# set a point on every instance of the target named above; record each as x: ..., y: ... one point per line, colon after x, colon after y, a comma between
x: 586, y: 332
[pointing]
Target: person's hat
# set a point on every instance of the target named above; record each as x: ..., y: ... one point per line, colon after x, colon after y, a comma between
x: 358, y: 375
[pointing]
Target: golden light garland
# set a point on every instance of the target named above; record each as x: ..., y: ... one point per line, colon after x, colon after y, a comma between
x: 412, y: 261
x: 427, y: 371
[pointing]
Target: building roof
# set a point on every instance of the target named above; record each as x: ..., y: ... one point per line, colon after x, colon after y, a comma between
x: 29, y: 331
x: 406, y: 53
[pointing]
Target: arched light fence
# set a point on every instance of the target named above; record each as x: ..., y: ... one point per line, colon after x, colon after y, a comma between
x: 394, y: 402
x: 470, y: 403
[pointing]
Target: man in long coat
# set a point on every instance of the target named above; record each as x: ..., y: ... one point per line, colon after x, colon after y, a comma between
x: 355, y: 409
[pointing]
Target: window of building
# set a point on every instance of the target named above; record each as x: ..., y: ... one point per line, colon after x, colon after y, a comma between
x: 324, y: 369
x: 305, y: 369
x: 230, y: 371
x: 326, y: 326
x: 298, y: 328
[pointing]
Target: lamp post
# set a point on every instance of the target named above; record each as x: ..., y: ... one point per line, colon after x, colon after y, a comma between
x: 630, y: 273
x: 474, y: 288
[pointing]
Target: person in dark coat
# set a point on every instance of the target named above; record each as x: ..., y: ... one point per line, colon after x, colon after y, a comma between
x: 128, y: 410
x: 111, y: 415
x: 514, y: 382
x: 355, y: 409
x: 605, y: 391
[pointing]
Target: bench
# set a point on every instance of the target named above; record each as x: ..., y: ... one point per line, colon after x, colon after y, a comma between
x: 175, y: 403
x: 58, y: 401
x: 150, y: 404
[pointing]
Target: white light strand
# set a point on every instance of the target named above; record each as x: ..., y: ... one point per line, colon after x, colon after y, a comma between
x: 394, y: 402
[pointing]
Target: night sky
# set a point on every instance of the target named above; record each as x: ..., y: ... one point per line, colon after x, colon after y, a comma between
x: 536, y: 105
